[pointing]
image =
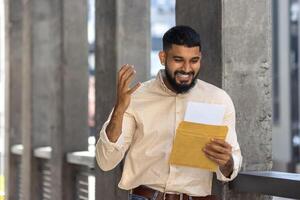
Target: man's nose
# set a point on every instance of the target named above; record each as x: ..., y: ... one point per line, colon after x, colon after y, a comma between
x: 187, y: 67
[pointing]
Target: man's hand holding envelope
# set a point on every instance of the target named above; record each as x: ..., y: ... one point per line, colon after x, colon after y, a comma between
x: 219, y: 151
x: 200, y: 139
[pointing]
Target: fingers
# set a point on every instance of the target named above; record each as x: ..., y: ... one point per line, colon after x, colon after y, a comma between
x: 215, y: 147
x: 129, y: 78
x: 219, y: 161
x: 134, y: 88
x: 218, y: 151
x: 215, y: 154
x: 222, y: 143
x: 125, y: 71
x: 126, y: 75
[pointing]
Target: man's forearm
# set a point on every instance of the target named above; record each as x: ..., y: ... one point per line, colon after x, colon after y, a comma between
x: 114, y: 127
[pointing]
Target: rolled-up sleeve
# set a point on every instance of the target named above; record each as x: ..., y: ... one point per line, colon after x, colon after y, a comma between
x: 109, y: 154
x: 231, y: 138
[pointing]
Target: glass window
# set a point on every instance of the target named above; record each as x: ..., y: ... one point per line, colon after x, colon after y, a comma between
x: 162, y: 18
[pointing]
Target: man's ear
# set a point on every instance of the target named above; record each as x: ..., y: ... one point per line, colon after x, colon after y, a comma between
x: 162, y: 57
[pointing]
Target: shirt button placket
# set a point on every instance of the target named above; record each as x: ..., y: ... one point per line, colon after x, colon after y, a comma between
x: 171, y: 169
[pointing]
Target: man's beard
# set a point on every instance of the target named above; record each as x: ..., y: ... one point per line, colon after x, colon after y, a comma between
x: 180, y: 88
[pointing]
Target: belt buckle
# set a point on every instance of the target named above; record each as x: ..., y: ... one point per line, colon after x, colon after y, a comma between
x: 181, y: 196
x: 164, y: 195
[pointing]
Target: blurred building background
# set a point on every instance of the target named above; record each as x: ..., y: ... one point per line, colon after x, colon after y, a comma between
x: 107, y: 42
x: 2, y: 99
x: 286, y: 124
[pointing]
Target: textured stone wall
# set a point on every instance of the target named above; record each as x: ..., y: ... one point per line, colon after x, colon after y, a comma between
x: 247, y: 71
x: 236, y: 36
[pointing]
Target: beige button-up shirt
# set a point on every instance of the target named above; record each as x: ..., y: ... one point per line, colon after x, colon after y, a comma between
x: 148, y: 132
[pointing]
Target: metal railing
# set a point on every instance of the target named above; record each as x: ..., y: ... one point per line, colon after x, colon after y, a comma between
x: 43, y: 154
x: 85, y: 178
x: 271, y: 183
x: 82, y: 161
x: 17, y: 151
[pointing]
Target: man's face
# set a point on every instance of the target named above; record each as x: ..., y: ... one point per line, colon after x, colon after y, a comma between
x: 182, y: 66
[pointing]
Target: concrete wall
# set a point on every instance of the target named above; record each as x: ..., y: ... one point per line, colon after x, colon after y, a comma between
x: 122, y: 36
x: 133, y: 36
x: 13, y: 90
x: 47, y: 92
x: 239, y: 34
x: 247, y: 62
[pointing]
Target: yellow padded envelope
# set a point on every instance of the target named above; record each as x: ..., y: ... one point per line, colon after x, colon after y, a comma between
x: 189, y: 142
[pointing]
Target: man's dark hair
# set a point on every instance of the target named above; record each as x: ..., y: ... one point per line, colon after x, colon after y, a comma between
x: 181, y: 35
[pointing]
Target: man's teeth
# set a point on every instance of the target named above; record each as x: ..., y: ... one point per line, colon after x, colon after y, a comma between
x: 183, y: 75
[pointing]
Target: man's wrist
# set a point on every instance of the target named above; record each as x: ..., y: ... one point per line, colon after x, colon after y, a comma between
x: 119, y: 111
x: 113, y: 129
x: 227, y: 169
x: 112, y: 136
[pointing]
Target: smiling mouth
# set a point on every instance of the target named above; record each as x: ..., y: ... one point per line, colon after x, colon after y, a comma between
x: 184, y: 77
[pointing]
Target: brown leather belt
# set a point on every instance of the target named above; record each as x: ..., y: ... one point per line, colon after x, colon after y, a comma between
x: 149, y: 193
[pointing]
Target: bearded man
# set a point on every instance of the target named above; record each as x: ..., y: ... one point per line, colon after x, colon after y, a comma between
x: 144, y: 120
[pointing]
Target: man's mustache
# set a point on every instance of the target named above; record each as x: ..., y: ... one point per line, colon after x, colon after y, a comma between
x: 184, y: 73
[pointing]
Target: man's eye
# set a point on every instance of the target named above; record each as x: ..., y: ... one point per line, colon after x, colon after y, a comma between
x: 195, y: 61
x: 177, y: 60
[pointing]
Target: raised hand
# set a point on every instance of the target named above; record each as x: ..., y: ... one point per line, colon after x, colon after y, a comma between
x: 125, y: 77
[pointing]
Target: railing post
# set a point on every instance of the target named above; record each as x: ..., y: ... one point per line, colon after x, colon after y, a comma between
x: 13, y: 43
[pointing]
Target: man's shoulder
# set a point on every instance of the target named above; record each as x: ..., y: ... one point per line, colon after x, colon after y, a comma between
x: 211, y: 89
x: 145, y: 88
x: 208, y: 86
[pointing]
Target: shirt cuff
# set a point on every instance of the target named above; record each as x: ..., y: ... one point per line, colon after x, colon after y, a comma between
x: 236, y: 168
x: 108, y: 145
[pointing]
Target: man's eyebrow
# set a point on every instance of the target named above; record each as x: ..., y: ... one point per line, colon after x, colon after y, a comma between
x: 180, y: 57
x: 177, y: 57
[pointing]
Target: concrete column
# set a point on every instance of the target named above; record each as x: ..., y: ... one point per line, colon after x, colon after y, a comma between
x: 206, y: 18
x: 239, y: 34
x: 106, y: 69
x: 41, y: 56
x: 13, y: 64
x: 133, y: 36
x: 71, y: 111
x: 122, y: 36
x: 55, y: 89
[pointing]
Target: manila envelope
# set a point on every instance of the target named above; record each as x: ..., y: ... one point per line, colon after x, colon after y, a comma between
x: 189, y: 142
